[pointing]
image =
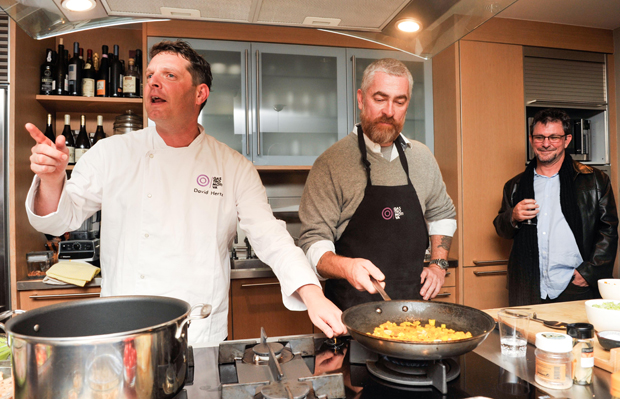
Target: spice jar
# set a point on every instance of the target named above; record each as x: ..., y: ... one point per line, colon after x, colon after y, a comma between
x: 553, y: 360
x: 583, y: 351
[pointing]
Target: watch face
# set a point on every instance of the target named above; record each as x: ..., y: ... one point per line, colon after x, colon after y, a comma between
x: 441, y: 263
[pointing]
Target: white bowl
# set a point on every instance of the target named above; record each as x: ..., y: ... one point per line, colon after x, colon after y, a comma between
x: 603, y: 319
x: 609, y: 288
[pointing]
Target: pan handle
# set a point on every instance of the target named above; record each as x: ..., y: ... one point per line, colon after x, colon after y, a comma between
x: 205, y: 311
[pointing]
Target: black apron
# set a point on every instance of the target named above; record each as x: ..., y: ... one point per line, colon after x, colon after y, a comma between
x: 388, y: 228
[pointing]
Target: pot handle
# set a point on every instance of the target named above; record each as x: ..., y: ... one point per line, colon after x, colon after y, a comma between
x: 6, y: 314
x: 205, y: 311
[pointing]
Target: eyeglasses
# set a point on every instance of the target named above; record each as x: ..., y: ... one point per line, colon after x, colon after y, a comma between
x: 539, y: 138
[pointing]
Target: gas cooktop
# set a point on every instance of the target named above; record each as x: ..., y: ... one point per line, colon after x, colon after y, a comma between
x: 317, y: 367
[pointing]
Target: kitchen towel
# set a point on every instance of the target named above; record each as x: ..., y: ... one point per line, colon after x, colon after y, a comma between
x: 75, y: 272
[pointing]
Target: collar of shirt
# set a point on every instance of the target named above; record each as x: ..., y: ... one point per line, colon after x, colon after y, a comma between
x: 376, y: 148
x: 159, y: 143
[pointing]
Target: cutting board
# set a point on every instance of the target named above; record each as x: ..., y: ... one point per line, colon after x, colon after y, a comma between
x: 569, y: 312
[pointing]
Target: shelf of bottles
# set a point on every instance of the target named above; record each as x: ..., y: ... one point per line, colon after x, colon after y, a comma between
x: 90, y: 85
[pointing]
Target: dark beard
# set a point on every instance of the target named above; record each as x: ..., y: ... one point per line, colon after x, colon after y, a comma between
x: 381, y: 135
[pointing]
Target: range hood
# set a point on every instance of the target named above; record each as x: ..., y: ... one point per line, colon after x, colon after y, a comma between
x: 443, y: 21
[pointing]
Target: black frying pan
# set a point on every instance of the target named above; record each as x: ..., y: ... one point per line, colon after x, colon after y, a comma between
x: 363, y: 319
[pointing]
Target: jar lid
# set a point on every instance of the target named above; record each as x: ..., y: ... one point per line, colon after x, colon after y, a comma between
x: 554, y: 342
x: 580, y: 330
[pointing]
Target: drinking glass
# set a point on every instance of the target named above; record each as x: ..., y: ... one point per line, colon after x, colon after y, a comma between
x: 513, y: 325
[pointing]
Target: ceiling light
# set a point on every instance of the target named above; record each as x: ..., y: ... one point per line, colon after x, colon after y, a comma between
x: 78, y: 5
x: 408, y: 25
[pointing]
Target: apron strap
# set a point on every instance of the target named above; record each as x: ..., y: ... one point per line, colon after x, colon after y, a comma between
x: 400, y: 146
x: 362, y: 145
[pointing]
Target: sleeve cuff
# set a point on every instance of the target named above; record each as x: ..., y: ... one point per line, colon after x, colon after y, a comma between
x: 444, y: 227
x: 316, y: 251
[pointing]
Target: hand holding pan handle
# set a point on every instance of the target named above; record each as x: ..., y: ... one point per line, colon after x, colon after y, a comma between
x: 380, y: 289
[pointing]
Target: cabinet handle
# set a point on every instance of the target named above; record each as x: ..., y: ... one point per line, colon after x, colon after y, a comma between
x: 443, y: 295
x: 247, y: 104
x: 491, y: 273
x: 56, y: 296
x: 491, y: 262
x: 447, y: 274
x: 257, y: 103
x: 258, y: 284
x: 354, y: 91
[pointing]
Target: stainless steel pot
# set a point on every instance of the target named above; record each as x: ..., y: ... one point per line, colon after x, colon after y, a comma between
x: 362, y: 319
x: 113, y: 347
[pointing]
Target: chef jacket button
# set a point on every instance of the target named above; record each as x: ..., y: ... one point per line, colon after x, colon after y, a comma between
x: 142, y: 276
x: 146, y: 235
x: 151, y: 155
x: 149, y: 195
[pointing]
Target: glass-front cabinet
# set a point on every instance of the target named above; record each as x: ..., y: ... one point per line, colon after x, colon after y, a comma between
x: 276, y: 104
x: 419, y: 120
x: 281, y: 104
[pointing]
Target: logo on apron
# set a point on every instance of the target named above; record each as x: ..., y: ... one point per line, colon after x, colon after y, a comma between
x: 389, y: 213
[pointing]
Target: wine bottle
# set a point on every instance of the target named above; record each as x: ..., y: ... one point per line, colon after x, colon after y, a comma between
x: 48, y: 80
x: 49, y: 129
x: 61, y: 71
x: 103, y: 74
x: 69, y: 142
x: 138, y: 64
x: 116, y: 75
x: 75, y: 72
x: 82, y: 143
x: 99, y: 133
x: 96, y: 63
x: 88, y: 76
x: 131, y: 81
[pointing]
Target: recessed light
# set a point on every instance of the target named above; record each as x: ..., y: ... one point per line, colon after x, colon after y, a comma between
x: 79, y: 5
x: 408, y: 25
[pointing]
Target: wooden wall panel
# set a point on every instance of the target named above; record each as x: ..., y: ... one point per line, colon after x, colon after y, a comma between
x: 540, y: 34
x: 26, y: 55
x: 493, y: 126
x: 254, y: 33
x: 447, y: 133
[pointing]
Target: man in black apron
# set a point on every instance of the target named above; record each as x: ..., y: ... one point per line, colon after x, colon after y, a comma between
x: 386, y: 233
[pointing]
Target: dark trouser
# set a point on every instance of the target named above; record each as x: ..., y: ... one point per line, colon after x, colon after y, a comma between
x: 572, y: 293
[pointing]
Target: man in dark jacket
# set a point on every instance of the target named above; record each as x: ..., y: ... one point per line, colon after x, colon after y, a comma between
x: 562, y: 217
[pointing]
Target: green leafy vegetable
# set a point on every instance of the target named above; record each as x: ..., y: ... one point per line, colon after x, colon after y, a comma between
x: 5, y: 351
x: 608, y: 306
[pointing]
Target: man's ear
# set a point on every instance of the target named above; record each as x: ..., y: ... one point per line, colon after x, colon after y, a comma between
x: 202, y: 93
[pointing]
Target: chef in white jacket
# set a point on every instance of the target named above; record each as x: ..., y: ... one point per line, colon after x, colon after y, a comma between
x: 171, y: 197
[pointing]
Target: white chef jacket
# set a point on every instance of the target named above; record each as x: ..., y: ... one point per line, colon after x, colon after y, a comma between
x: 169, y: 216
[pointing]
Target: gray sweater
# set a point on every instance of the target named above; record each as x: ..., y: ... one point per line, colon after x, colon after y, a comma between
x: 335, y: 187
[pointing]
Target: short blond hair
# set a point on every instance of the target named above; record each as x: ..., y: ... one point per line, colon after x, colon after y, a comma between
x: 390, y: 66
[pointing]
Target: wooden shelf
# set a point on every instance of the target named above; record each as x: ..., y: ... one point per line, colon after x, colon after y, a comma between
x: 102, y: 105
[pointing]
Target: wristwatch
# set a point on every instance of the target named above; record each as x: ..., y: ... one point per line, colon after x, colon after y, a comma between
x: 440, y: 262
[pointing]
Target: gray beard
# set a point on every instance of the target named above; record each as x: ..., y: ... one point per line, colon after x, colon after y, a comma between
x: 379, y: 135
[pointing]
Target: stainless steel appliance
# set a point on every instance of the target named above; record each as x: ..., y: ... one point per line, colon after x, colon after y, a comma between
x: 84, y: 250
x: 580, y: 145
x: 5, y: 296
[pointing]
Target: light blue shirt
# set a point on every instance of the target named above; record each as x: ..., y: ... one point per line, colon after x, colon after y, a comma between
x: 558, y: 253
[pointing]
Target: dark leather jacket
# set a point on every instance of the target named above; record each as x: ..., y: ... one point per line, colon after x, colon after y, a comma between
x: 597, y: 205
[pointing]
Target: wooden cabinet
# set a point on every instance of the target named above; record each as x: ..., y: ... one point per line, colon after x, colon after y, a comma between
x: 257, y: 303
x: 487, y: 123
x: 448, y: 290
x: 33, y: 299
x: 486, y: 287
